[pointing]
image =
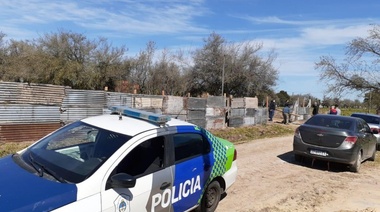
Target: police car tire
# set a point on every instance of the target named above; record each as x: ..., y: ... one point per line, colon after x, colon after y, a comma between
x: 211, y: 197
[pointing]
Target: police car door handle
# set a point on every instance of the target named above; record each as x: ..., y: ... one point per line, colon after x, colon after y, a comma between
x: 165, y: 185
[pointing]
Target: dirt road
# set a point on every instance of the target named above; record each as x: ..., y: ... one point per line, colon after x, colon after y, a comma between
x: 270, y: 180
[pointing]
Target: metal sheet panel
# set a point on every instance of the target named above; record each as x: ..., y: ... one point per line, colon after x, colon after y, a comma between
x: 122, y: 99
x: 86, y: 98
x: 40, y: 94
x: 79, y: 104
x: 17, y: 113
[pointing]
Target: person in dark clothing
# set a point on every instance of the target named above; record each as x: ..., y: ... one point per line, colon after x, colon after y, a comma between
x: 315, y: 108
x: 272, y: 108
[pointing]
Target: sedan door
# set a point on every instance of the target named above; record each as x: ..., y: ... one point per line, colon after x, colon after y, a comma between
x: 145, y: 164
x: 193, y: 165
x: 366, y: 137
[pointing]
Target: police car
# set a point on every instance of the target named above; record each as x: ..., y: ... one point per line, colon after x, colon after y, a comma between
x: 129, y: 160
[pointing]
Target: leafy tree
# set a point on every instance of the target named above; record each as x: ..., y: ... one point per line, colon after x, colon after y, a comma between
x: 283, y: 96
x: 106, y: 65
x: 68, y: 55
x: 237, y: 69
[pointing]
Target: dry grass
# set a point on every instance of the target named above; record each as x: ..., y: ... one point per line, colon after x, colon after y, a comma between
x: 12, y: 147
x: 244, y: 134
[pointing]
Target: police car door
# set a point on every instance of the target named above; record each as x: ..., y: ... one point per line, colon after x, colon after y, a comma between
x: 147, y: 166
x: 192, y: 169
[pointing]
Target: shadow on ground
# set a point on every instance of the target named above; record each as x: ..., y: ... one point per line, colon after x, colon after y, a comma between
x: 316, y: 164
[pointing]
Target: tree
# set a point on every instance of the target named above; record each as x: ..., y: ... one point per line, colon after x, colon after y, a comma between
x: 283, y: 96
x: 67, y: 55
x: 166, y: 76
x: 3, y: 55
x: 360, y: 69
x: 106, y: 65
x: 142, y: 67
x: 237, y: 69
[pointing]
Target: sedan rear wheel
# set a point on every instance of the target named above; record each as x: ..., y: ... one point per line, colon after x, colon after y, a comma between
x: 356, y: 166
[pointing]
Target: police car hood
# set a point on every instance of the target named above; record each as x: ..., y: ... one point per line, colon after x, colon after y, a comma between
x: 25, y: 191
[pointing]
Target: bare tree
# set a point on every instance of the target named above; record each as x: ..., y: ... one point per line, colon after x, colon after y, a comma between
x: 360, y: 69
x: 166, y: 76
x: 142, y: 67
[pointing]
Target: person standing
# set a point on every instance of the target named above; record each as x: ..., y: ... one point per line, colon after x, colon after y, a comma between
x: 315, y: 108
x: 338, y: 111
x: 272, y: 108
x: 286, y: 113
x: 333, y: 110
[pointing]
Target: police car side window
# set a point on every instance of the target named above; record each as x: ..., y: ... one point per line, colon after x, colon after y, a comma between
x: 188, y: 145
x: 144, y: 159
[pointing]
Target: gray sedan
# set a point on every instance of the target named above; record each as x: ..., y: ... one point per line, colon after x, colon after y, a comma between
x: 373, y: 122
x: 341, y: 139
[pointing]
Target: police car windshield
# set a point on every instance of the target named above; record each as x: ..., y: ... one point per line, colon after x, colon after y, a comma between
x: 75, y: 152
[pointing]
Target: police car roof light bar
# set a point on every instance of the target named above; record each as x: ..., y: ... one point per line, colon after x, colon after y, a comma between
x: 145, y: 115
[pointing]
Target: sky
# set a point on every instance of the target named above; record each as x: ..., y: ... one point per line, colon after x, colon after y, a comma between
x: 299, y: 31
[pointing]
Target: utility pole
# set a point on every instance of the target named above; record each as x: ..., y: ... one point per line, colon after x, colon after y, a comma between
x: 224, y: 62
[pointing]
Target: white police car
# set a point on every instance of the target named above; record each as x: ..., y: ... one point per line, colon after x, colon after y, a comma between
x: 131, y: 161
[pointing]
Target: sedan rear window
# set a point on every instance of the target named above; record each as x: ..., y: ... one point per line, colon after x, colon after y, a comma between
x: 332, y: 122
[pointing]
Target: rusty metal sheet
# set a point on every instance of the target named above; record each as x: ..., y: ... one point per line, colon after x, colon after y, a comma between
x: 26, y: 132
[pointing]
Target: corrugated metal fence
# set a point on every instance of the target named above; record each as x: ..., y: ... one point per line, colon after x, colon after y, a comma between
x: 30, y: 111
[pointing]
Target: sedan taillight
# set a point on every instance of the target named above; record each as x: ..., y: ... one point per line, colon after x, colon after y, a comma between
x: 351, y: 140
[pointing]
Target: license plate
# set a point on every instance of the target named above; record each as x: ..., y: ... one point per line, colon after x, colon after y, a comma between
x: 317, y: 152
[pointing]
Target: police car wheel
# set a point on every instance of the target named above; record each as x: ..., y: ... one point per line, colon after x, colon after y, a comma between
x: 211, y: 197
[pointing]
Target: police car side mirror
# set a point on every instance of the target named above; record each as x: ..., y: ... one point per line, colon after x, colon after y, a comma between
x: 122, y: 180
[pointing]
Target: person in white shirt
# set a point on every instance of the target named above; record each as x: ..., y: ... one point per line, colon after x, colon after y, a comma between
x: 338, y: 112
